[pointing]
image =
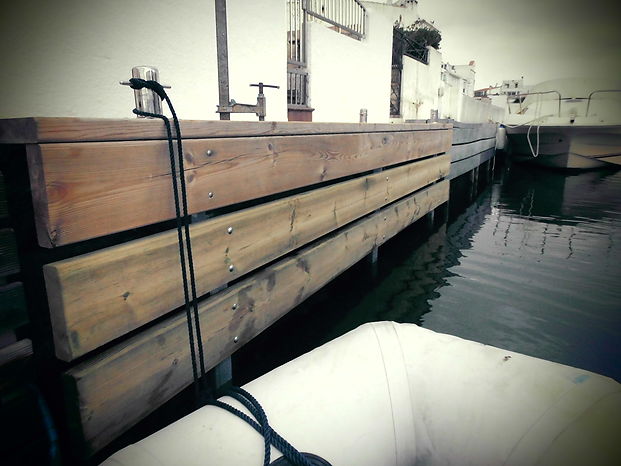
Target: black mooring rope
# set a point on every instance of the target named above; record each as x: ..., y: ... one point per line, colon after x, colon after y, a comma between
x: 270, y: 436
x: 183, y: 229
x: 262, y: 426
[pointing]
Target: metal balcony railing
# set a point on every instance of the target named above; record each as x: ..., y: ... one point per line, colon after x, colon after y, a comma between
x: 296, y: 33
x: 347, y: 16
x: 297, y: 88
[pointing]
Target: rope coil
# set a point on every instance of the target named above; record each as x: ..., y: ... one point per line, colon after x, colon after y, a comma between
x: 271, y: 437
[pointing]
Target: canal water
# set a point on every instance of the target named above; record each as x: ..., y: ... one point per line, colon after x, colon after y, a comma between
x: 532, y: 264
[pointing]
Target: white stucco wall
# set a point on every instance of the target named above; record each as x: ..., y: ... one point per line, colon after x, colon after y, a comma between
x: 346, y: 74
x: 451, y: 96
x: 419, y: 86
x: 65, y: 57
x: 467, y: 74
x: 476, y: 111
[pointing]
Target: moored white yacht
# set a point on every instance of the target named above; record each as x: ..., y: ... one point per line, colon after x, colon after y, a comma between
x: 568, y: 123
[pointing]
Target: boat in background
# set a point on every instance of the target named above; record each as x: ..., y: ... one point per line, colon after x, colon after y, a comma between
x: 572, y: 123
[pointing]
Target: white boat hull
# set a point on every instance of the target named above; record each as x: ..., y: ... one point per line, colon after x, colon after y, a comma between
x: 397, y: 394
x: 572, y: 147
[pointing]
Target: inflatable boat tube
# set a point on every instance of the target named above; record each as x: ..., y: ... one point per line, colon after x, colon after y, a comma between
x: 398, y: 394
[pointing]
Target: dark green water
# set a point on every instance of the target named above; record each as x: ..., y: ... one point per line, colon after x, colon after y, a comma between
x: 532, y: 265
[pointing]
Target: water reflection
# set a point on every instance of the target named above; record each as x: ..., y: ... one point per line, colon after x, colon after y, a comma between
x: 542, y: 273
x: 532, y: 265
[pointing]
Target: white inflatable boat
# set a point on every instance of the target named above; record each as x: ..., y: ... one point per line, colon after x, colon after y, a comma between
x: 398, y: 394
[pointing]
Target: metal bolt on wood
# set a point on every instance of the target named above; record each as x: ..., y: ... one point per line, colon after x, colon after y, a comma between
x: 210, y: 195
x: 209, y: 152
x: 229, y: 230
x: 235, y: 340
x: 234, y: 306
x: 231, y: 268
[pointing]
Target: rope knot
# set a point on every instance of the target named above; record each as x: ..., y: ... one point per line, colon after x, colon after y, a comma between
x: 137, y: 83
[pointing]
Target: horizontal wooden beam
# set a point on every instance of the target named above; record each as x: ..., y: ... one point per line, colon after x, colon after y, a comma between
x: 15, y: 365
x: 470, y: 163
x: 100, y: 296
x: 124, y: 384
x: 9, y: 262
x: 19, y: 350
x: 85, y: 190
x: 12, y: 306
x: 464, y: 151
x: 473, y: 132
x: 464, y: 133
x: 43, y: 130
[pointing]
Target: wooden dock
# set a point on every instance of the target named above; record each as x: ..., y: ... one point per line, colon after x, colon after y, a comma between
x: 473, y: 145
x: 280, y: 210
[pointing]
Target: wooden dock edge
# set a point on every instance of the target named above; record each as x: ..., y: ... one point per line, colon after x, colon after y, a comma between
x: 122, y: 385
x: 470, y: 163
x: 133, y: 179
x: 464, y: 133
x: 97, y: 297
x: 67, y: 129
x: 466, y: 150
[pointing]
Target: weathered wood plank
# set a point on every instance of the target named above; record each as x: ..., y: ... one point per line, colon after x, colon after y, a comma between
x: 100, y: 296
x: 85, y: 190
x: 464, y: 151
x: 15, y: 352
x: 487, y: 155
x: 9, y: 262
x: 12, y: 306
x: 124, y: 384
x: 465, y: 165
x: 18, y: 130
x: 474, y: 132
x: 42, y: 130
x: 464, y: 133
x: 14, y: 364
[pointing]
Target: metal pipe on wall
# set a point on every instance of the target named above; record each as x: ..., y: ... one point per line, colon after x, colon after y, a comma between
x: 223, y: 57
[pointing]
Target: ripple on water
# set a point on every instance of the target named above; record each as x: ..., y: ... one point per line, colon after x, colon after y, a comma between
x: 541, y: 274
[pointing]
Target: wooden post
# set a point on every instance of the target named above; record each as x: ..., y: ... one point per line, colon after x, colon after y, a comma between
x: 430, y: 219
x: 375, y: 252
x: 443, y: 212
x: 476, y: 181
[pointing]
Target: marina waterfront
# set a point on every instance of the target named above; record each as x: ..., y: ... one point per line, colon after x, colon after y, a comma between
x: 531, y: 265
x: 151, y: 265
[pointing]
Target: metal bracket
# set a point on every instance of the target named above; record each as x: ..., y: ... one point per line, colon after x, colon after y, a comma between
x: 259, y: 109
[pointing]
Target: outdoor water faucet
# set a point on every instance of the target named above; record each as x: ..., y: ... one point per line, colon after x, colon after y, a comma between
x: 259, y: 109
